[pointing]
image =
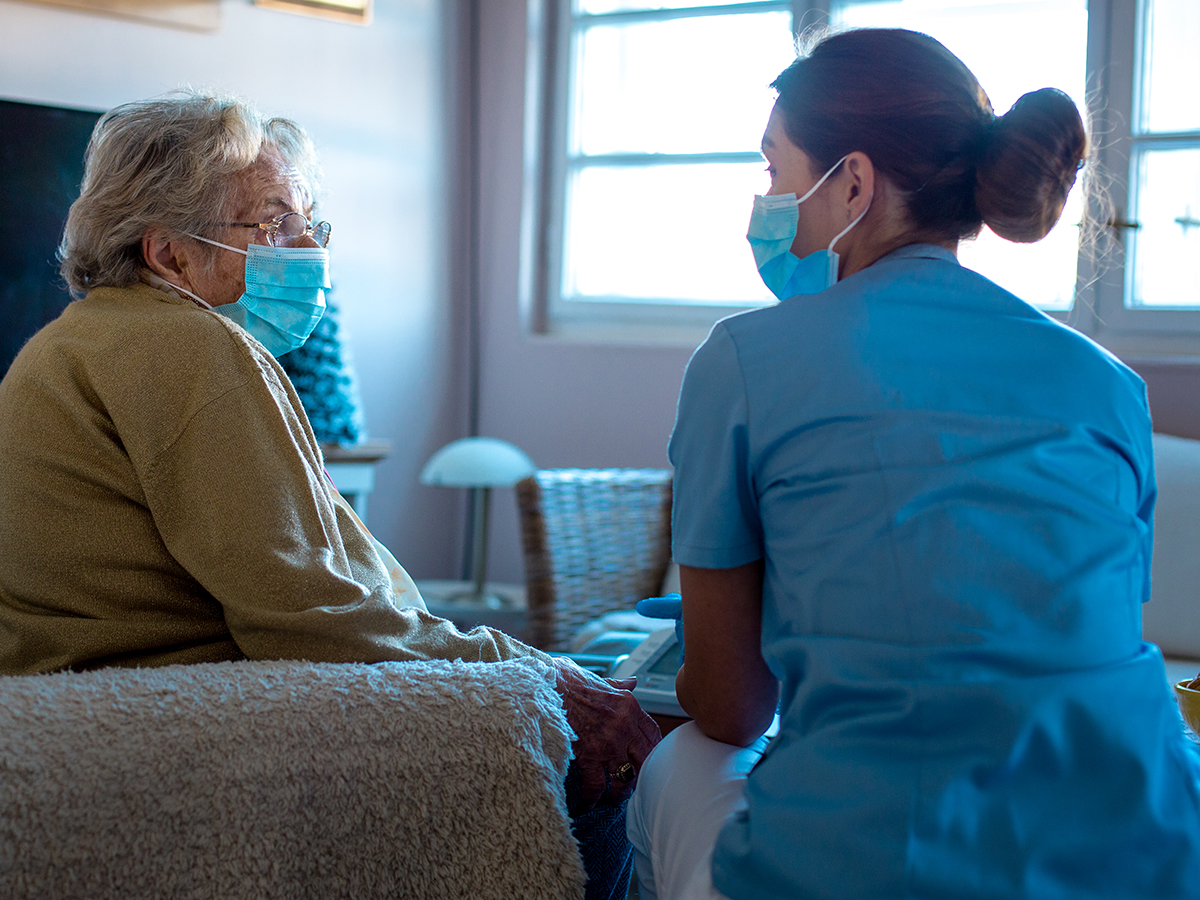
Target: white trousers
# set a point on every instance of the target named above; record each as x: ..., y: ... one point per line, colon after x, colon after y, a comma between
x: 687, y: 789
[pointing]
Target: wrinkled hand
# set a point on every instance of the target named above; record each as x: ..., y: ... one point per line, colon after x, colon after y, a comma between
x: 668, y: 607
x: 612, y: 730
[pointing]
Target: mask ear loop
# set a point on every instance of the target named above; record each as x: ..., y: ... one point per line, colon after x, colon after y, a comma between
x: 841, y: 234
x: 812, y: 190
x: 216, y: 243
x: 310, y: 253
x: 200, y: 300
x: 833, y: 257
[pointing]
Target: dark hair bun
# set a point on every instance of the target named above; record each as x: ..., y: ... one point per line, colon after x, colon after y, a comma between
x: 1028, y: 165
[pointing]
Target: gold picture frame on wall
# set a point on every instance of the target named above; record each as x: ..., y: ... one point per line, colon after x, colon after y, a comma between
x: 356, y: 12
x: 191, y: 15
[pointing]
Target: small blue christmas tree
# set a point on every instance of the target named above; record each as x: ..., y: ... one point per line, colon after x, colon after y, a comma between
x: 323, y: 372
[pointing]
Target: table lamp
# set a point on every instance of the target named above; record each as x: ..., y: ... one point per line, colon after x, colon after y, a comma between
x: 478, y: 463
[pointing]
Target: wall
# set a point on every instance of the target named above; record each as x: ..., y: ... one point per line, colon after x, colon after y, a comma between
x: 373, y: 100
x: 1173, y: 385
x: 565, y: 403
x: 384, y: 105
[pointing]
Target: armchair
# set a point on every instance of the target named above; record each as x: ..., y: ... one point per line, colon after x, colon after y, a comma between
x: 286, y: 780
x: 595, y: 541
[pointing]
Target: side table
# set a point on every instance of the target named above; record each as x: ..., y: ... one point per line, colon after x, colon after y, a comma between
x: 352, y: 469
x: 452, y: 600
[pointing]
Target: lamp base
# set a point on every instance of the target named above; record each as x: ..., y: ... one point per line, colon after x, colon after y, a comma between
x: 484, y: 599
x: 454, y: 600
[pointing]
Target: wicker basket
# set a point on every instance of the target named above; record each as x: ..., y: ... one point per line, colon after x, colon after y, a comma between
x: 595, y: 541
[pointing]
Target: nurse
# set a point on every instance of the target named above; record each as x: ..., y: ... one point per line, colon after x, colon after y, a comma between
x: 913, y: 514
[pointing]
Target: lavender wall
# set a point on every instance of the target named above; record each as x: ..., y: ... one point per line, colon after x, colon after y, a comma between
x: 1173, y: 386
x: 565, y: 403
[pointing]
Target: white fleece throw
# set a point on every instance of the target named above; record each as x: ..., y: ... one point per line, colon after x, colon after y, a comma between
x: 286, y: 780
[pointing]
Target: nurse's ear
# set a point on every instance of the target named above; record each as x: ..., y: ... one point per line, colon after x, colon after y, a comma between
x: 856, y: 187
x: 885, y: 226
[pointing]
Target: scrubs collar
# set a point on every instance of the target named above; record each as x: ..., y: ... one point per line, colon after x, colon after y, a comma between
x: 921, y: 251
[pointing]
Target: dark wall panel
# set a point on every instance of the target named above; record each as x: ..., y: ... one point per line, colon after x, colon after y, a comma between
x: 41, y: 166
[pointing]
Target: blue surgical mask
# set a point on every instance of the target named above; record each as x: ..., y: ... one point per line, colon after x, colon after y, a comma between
x: 285, y: 294
x: 771, y: 234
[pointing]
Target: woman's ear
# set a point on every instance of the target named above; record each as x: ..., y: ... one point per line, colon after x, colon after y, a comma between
x: 859, y: 187
x: 166, y: 258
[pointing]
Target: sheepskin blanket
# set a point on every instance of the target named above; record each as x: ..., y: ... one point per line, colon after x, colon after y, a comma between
x: 286, y: 780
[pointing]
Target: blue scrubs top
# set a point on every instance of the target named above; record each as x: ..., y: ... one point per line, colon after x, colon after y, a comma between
x: 953, y: 497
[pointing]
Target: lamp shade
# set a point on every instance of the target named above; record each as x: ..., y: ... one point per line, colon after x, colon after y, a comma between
x: 477, y: 462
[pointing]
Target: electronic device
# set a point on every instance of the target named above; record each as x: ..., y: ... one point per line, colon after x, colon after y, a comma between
x: 655, y: 663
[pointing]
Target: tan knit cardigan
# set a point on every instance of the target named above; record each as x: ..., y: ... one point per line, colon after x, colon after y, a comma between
x: 163, y: 500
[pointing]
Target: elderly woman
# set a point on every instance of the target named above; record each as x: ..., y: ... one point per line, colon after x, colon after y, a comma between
x: 164, y: 499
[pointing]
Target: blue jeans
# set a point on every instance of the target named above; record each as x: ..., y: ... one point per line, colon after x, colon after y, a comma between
x: 606, y: 851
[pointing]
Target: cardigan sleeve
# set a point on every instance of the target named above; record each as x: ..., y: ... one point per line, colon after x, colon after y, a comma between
x: 241, y: 500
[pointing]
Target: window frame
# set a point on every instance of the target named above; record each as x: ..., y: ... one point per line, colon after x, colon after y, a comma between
x: 1115, y: 38
x: 623, y: 321
x: 1115, y: 43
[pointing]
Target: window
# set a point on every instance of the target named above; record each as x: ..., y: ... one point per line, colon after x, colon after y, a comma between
x: 661, y: 108
x: 650, y: 154
x: 1155, y: 300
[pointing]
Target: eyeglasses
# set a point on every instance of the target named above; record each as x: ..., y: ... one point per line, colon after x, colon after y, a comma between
x: 285, y: 230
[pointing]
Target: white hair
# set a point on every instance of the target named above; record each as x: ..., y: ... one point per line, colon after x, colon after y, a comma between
x: 169, y: 163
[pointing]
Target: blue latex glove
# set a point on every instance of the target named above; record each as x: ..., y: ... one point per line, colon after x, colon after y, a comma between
x: 668, y: 607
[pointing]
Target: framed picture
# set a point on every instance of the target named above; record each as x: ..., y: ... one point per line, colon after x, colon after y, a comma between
x: 192, y: 15
x: 356, y: 12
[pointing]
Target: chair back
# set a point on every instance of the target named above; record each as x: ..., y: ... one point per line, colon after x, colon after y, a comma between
x: 595, y: 541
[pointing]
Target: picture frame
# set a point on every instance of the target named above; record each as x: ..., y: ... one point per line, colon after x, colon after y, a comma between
x: 190, y: 15
x: 354, y: 12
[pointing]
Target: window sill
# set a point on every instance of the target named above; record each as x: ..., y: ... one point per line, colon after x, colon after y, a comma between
x: 625, y: 334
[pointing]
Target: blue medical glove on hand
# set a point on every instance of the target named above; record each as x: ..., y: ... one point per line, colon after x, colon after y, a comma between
x: 668, y: 607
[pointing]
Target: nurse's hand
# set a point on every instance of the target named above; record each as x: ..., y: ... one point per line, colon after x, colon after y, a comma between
x: 612, y: 731
x: 668, y: 607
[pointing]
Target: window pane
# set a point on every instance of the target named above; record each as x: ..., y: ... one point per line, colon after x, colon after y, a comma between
x: 1041, y: 273
x: 690, y: 85
x: 662, y: 233
x: 1052, y: 37
x: 1166, y: 268
x: 1171, y: 89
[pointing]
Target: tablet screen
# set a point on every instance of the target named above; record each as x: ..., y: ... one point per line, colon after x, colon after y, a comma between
x: 668, y: 663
